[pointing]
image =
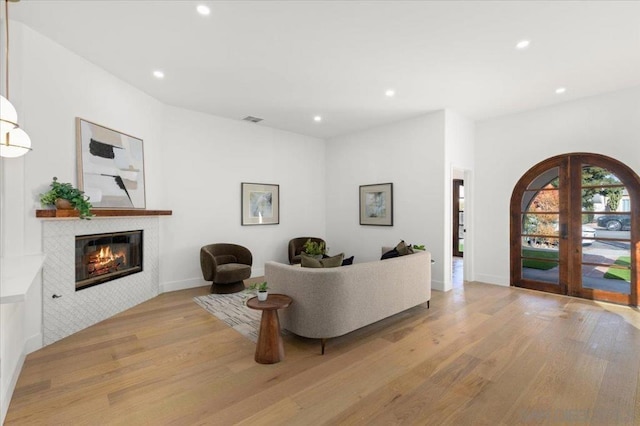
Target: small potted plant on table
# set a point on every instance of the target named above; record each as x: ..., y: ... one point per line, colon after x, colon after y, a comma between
x: 261, y: 290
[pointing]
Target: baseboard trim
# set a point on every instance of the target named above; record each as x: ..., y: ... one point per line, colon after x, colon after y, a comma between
x: 492, y: 279
x: 438, y: 285
x: 182, y: 285
x: 33, y: 343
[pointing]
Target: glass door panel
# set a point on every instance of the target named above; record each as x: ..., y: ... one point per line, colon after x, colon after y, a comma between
x: 461, y: 233
x: 539, y: 235
x: 461, y: 218
x: 605, y: 233
x: 540, y: 243
x: 458, y: 217
x: 540, y: 219
x: 549, y: 178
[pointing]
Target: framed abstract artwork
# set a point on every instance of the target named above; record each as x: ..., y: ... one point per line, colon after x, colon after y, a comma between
x: 110, y: 167
x: 376, y: 204
x: 260, y: 204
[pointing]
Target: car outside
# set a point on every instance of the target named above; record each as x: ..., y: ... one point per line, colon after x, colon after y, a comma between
x: 588, y: 235
x: 615, y: 222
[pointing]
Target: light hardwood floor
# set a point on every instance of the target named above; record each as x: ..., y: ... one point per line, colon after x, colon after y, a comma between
x: 482, y: 354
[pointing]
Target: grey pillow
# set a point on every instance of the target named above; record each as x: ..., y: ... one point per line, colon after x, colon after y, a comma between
x: 403, y: 248
x: 327, y: 262
x: 307, y: 261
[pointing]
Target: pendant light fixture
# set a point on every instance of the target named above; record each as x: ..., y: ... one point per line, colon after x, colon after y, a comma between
x: 14, y: 142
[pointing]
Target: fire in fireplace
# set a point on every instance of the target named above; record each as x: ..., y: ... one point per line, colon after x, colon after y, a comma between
x: 105, y: 257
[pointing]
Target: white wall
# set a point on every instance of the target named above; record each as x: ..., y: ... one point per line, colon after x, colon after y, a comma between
x: 205, y: 159
x: 411, y: 155
x: 56, y: 86
x: 460, y: 138
x: 507, y: 147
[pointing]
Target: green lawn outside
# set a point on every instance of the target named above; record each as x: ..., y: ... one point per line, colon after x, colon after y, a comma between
x: 548, y: 260
x: 539, y: 254
x: 620, y: 274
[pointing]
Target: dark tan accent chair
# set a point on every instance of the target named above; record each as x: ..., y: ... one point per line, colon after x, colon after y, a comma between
x: 296, y: 246
x: 226, y: 266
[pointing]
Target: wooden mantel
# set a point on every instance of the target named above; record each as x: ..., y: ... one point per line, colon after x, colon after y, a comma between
x: 54, y: 213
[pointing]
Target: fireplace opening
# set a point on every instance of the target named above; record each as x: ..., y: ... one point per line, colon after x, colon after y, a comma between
x: 105, y: 257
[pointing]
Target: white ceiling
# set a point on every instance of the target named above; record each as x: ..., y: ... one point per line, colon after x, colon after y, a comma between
x: 287, y: 61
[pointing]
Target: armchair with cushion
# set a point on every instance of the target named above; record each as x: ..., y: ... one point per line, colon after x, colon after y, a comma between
x: 226, y: 266
x: 296, y: 246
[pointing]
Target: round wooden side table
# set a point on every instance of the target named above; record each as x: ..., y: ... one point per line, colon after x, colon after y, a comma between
x: 269, y: 349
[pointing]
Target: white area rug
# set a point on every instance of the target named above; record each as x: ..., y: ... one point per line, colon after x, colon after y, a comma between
x: 231, y: 309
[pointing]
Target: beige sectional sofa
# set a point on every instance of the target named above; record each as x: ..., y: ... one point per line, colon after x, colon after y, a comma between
x: 334, y: 301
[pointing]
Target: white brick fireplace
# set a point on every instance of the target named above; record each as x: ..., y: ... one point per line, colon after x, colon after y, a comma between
x: 65, y: 310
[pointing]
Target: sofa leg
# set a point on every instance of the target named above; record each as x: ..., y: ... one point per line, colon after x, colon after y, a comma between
x: 428, y: 303
x: 322, y: 343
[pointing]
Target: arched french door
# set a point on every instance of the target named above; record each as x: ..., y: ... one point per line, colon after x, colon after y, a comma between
x: 575, y: 228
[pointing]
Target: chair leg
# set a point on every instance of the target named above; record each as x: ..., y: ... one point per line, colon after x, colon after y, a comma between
x: 322, y: 343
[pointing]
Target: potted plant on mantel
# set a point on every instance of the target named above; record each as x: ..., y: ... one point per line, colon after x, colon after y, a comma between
x: 65, y: 196
x: 315, y: 249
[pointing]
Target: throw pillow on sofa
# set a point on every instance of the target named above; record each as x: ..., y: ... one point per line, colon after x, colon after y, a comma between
x: 390, y: 254
x: 307, y: 261
x: 333, y: 261
x: 404, y: 249
x: 328, y: 262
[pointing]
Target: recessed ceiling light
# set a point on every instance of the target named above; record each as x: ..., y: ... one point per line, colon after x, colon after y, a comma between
x: 317, y: 119
x: 523, y: 44
x: 203, y: 10
x: 561, y: 90
x: 158, y: 74
x: 390, y: 93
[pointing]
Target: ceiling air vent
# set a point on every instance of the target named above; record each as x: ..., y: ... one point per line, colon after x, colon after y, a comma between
x: 252, y: 119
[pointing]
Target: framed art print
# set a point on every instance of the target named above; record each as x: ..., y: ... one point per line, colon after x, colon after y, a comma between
x: 110, y: 166
x: 260, y: 204
x: 376, y: 204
